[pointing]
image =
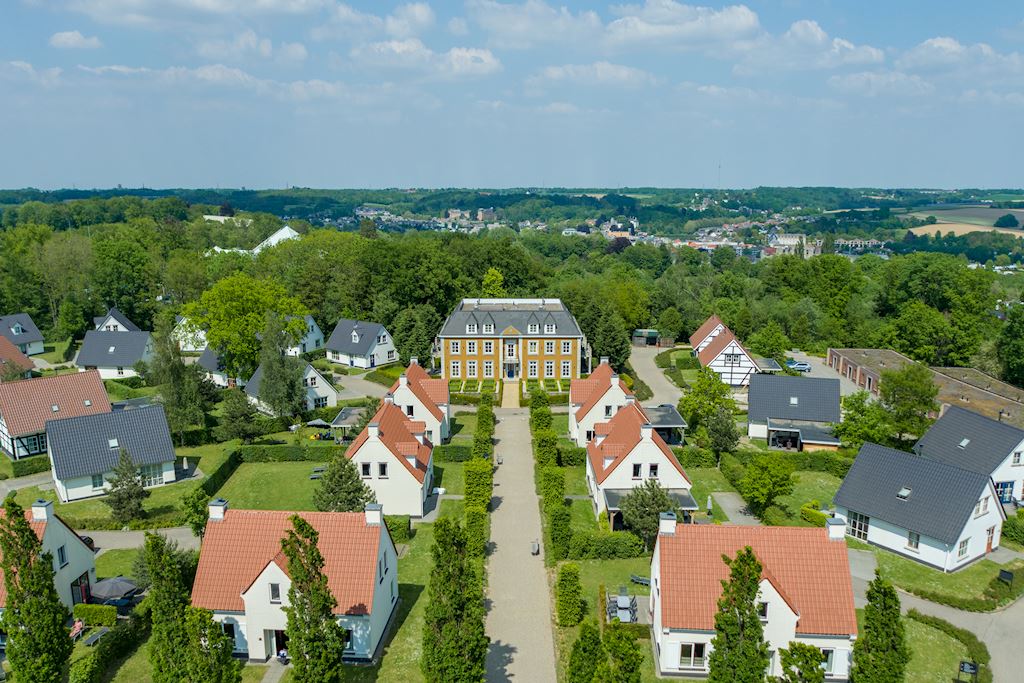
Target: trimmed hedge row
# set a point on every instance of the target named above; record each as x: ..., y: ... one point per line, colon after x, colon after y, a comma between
x: 695, y: 456
x: 478, y: 529
x: 976, y: 649
x: 836, y: 463
x: 571, y: 456
x: 452, y: 452
x: 479, y: 478
x: 96, y: 615
x: 604, y: 545
x: 284, y: 453
x: 1013, y: 528
x: 552, y: 484
x: 31, y: 465
x: 569, y: 603
x: 545, y: 447
x: 118, y: 643
x: 217, y: 478
x: 810, y: 513
x: 400, y: 527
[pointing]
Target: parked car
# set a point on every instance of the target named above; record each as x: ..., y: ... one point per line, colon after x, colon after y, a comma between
x: 798, y: 365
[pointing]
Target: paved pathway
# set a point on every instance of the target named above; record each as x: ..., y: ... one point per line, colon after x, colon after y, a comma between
x: 510, y: 395
x: 522, y: 646
x: 735, y: 508
x: 275, y: 672
x: 120, y: 540
x: 820, y: 368
x: 43, y: 480
x: 642, y: 360
x: 354, y: 386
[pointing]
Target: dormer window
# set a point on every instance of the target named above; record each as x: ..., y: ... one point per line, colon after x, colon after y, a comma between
x: 549, y: 328
x: 903, y: 493
x: 17, y: 329
x: 963, y: 443
x: 794, y: 400
x: 488, y: 328
x: 532, y: 328
x: 471, y: 328
x: 112, y: 443
x: 355, y: 337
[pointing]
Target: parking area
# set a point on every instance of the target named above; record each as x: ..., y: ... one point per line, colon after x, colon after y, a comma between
x: 819, y: 368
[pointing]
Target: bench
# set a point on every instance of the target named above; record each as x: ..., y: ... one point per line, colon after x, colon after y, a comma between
x: 95, y: 637
x: 642, y: 580
x: 316, y: 475
x: 317, y: 470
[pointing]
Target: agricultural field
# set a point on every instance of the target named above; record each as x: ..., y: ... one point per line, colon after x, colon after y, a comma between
x: 962, y: 220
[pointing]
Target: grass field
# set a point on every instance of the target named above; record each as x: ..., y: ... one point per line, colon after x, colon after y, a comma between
x: 560, y: 423
x: 463, y: 425
x: 819, y: 486
x: 969, y: 215
x: 705, y: 481
x: 959, y: 229
x: 451, y: 476
x: 53, y: 352
x: 934, y: 656
x: 271, y: 486
x: 116, y: 563
x: 575, y: 480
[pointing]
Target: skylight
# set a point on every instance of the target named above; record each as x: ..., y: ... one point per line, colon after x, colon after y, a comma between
x: 112, y: 443
x: 88, y: 402
x: 110, y: 350
x: 793, y: 400
x: 903, y: 493
x: 963, y: 444
x: 55, y: 407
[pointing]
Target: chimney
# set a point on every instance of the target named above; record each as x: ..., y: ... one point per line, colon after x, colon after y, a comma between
x: 374, y: 514
x: 667, y: 524
x: 646, y: 432
x: 373, y: 430
x: 630, y: 399
x: 414, y: 361
x: 604, y: 360
x: 615, y: 380
x: 403, y: 380
x: 218, y: 507
x: 389, y: 398
x: 836, y: 528
x: 42, y: 510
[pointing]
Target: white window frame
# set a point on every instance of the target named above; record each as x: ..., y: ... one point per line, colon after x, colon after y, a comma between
x: 703, y: 666
x: 913, y: 540
x: 488, y: 328
x: 963, y: 548
x: 62, y: 556
x: 982, y: 507
x: 549, y: 328
x: 471, y: 347
x: 532, y: 348
x: 471, y: 369
x: 382, y: 470
x: 471, y: 328
x: 488, y: 369
x: 455, y: 369
x: 1017, y: 458
x: 566, y: 347
x: 488, y: 347
x: 549, y: 369
x: 858, y: 525
x: 152, y: 475
x: 828, y: 660
x: 320, y: 402
x: 532, y: 328
x: 453, y: 346
x: 273, y: 600
x: 531, y: 369
x: 549, y: 347
x: 566, y: 369
x: 638, y: 470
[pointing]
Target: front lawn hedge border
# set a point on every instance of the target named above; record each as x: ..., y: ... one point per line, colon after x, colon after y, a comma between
x: 604, y: 545
x: 478, y: 529
x: 571, y: 456
x: 285, y: 453
x: 569, y: 603
x: 31, y: 465
x: 695, y: 456
x: 453, y: 452
x: 96, y: 615
x: 400, y: 527
x: 976, y: 649
x: 479, y: 482
x: 117, y: 644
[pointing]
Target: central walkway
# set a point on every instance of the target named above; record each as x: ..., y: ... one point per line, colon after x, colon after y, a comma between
x: 519, y: 608
x: 642, y: 360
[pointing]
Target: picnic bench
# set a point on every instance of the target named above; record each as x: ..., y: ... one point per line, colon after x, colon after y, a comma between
x: 317, y: 475
x: 317, y: 470
x: 95, y: 637
x: 641, y: 580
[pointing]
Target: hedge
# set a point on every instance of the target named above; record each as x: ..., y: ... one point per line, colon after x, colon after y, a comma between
x: 96, y: 615
x: 695, y: 456
x: 560, y: 529
x: 976, y: 649
x: 400, y: 527
x: 452, y: 452
x: 215, y: 479
x: 604, y: 545
x: 477, y: 529
x: 284, y: 453
x: 1013, y: 529
x: 545, y: 447
x: 810, y: 513
x: 32, y: 465
x: 571, y: 456
x: 732, y: 469
x: 479, y: 478
x: 552, y: 484
x: 119, y: 642
x: 687, y: 362
x: 773, y: 515
x: 569, y: 601
x: 464, y: 399
x: 664, y: 359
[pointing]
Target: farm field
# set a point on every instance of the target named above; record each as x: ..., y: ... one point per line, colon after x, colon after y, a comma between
x: 962, y: 220
x: 959, y: 229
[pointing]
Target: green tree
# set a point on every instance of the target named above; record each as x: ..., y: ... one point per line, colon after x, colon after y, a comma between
x: 38, y: 646
x: 768, y: 476
x: 586, y: 653
x: 739, y: 653
x: 181, y: 391
x: 723, y: 436
x: 909, y: 396
x: 801, y: 663
x: 707, y: 396
x: 1010, y: 346
x: 569, y: 594
x: 238, y: 418
x: 625, y: 657
x: 1007, y: 220
x: 367, y: 228
x: 342, y: 489
x: 125, y: 274
x: 670, y: 323
x: 493, y: 284
x: 315, y: 639
x: 880, y: 653
x: 194, y: 505
x: 209, y: 656
x: 413, y: 330
x: 610, y: 338
x: 771, y: 342
x: 454, y: 641
x: 281, y: 382
x: 864, y: 420
x: 168, y: 598
x: 642, y: 508
x: 126, y: 492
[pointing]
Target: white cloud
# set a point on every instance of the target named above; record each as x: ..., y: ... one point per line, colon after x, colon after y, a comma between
x: 249, y: 44
x: 596, y: 74
x: 806, y: 46
x: 409, y: 20
x: 674, y: 24
x: 74, y: 40
x: 533, y: 22
x: 457, y: 26
x: 156, y: 12
x: 292, y: 52
x: 19, y: 70
x: 412, y: 55
x: 559, y: 108
x: 878, y: 83
x: 948, y: 55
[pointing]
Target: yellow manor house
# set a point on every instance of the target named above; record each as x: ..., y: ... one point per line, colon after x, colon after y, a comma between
x: 512, y: 339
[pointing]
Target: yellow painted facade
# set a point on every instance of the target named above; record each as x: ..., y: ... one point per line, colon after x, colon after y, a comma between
x: 510, y: 355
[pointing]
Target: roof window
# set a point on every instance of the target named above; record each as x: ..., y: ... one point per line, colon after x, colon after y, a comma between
x: 110, y: 350
x: 88, y: 402
x: 963, y: 443
x: 794, y: 400
x: 903, y: 493
x: 112, y: 443
x: 55, y: 407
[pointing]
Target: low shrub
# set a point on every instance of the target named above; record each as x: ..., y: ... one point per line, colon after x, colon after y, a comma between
x: 664, y: 359
x: 638, y: 631
x: 471, y: 386
x: 571, y: 456
x: 461, y: 399
x: 452, y: 452
x: 400, y: 527
x: 687, y: 361
x: 118, y: 643
x: 976, y: 650
x: 601, y: 545
x: 96, y: 615
x: 641, y: 391
x: 569, y: 602
x: 773, y: 515
x: 560, y: 529
x: 477, y: 529
x: 732, y: 469
x: 695, y: 456
x: 30, y: 465
x: 1013, y: 529
x: 810, y: 513
x: 284, y: 453
x: 545, y: 447
x: 479, y: 478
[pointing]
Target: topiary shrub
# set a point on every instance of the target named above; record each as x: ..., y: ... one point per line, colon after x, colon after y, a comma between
x: 477, y: 529
x: 810, y: 513
x: 695, y: 456
x: 560, y: 529
x: 545, y: 447
x: 479, y: 477
x: 569, y: 602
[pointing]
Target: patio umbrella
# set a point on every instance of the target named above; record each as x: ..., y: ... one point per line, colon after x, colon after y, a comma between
x: 318, y: 423
x: 113, y: 589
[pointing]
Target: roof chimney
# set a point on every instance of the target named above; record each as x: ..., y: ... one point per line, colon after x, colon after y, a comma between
x: 403, y: 380
x: 389, y: 398
x: 615, y: 380
x: 373, y: 430
x: 836, y: 528
x: 42, y: 510
x: 374, y: 514
x: 667, y: 524
x: 218, y: 508
x: 646, y: 430
x: 414, y: 361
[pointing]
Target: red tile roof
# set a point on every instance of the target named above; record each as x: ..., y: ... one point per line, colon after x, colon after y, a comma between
x: 589, y: 391
x: 10, y: 356
x: 811, y: 572
x: 238, y: 548
x: 704, y: 330
x: 397, y: 433
x: 623, y: 436
x: 40, y: 528
x: 432, y: 393
x: 718, y: 345
x: 26, y: 405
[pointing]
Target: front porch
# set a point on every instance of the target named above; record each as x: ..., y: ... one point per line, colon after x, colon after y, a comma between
x: 682, y: 499
x: 799, y: 435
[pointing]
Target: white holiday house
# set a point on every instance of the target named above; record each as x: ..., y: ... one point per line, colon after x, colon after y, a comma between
x: 319, y: 392
x: 424, y: 399
x: 594, y: 399
x: 360, y: 344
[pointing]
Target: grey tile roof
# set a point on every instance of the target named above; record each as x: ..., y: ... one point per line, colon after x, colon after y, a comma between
x: 29, y: 334
x: 341, y: 338
x: 81, y: 446
x: 119, y: 317
x: 810, y: 432
x: 102, y: 349
x: 942, y: 497
x: 771, y: 396
x: 665, y: 415
x: 505, y: 313
x: 969, y: 440
x: 211, y: 361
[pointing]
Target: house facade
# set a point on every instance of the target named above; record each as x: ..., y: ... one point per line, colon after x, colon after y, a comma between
x: 361, y: 344
x: 213, y: 363
x: 114, y: 353
x: 395, y: 459
x: 21, y: 331
x: 190, y: 339
x: 312, y: 339
x: 727, y: 357
x: 424, y: 399
x: 512, y: 339
x: 625, y: 452
x: 243, y: 577
x: 114, y: 321
x: 84, y: 451
x: 937, y: 514
x: 27, y: 405
x: 593, y: 400
x: 319, y: 392
x: 793, y: 412
x: 798, y: 600
x: 708, y: 330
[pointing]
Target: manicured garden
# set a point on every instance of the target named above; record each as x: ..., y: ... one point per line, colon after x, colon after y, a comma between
x: 450, y: 476
x: 707, y: 480
x: 272, y: 486
x: 808, y: 486
x: 117, y: 562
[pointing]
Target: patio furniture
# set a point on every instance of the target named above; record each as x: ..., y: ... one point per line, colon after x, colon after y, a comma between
x: 95, y: 637
x: 316, y: 475
x: 319, y: 469
x: 642, y: 580
x: 622, y: 607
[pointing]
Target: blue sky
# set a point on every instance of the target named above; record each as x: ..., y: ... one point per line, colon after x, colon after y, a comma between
x: 485, y: 93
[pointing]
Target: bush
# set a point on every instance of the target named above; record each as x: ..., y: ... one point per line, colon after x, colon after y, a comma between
x: 400, y: 527
x: 604, y: 545
x: 96, y: 615
x: 540, y: 420
x: 571, y: 456
x: 479, y: 476
x: 452, y: 453
x: 773, y: 515
x: 569, y: 595
x: 732, y: 469
x: 215, y: 479
x: 477, y: 529
x: 30, y: 465
x: 687, y: 362
x: 284, y: 453
x: 695, y: 456
x: 119, y: 642
x: 552, y: 484
x: 641, y: 391
x: 461, y: 399
x: 1013, y: 529
x: 545, y: 447
x: 810, y: 513
x: 976, y: 650
x: 560, y: 529
x: 664, y: 359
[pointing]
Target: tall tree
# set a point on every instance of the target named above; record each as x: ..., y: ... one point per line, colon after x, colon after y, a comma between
x: 125, y: 274
x: 493, y: 284
x: 315, y: 639
x: 195, y: 506
x: 642, y: 508
x: 767, y: 477
x: 281, y: 385
x: 209, y: 656
x: 880, y: 654
x: 168, y: 598
x: 238, y: 418
x: 367, y: 228
x: 707, y: 395
x: 454, y: 640
x: 909, y: 395
x: 342, y: 489
x: 587, y: 653
x: 670, y: 323
x: 625, y: 657
x: 771, y: 342
x: 739, y: 653
x: 181, y: 391
x: 864, y: 419
x: 723, y: 436
x: 126, y: 492
x: 801, y: 663
x: 1010, y: 347
x: 414, y: 329
x: 610, y: 338
x: 38, y: 645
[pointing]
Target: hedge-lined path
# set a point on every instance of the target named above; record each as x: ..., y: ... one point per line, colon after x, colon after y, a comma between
x: 43, y: 480
x: 519, y: 607
x: 510, y: 395
x: 120, y: 540
x: 642, y: 360
x: 735, y: 508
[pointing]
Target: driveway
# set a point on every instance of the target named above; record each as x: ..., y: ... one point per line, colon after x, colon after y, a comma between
x: 354, y: 386
x: 642, y: 360
x: 819, y: 368
x: 735, y: 508
x: 121, y: 540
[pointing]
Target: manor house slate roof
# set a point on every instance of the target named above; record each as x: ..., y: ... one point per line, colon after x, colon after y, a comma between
x: 29, y: 334
x: 341, y: 340
x: 783, y: 397
x: 966, y: 439
x: 510, y: 313
x: 103, y: 349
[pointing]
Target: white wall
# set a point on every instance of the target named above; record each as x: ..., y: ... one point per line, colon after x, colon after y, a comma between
x: 189, y: 342
x: 81, y: 487
x: 439, y: 430
x: 733, y: 375
x: 31, y: 349
x: 1007, y: 471
x: 311, y: 341
x: 112, y: 373
x: 757, y: 430
x: 400, y: 492
x: 79, y: 558
x: 645, y: 453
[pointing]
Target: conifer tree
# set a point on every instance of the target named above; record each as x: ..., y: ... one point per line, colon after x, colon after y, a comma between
x: 342, y: 489
x: 38, y: 645
x: 587, y: 653
x: 624, y: 656
x: 238, y: 417
x: 315, y: 639
x: 168, y: 598
x: 880, y: 654
x: 209, y: 656
x: 126, y: 491
x: 739, y: 653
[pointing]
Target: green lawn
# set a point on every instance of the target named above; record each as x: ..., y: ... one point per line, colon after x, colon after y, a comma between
x: 451, y: 476
x: 819, y: 486
x: 115, y: 563
x: 6, y: 467
x: 583, y: 518
x: 969, y: 582
x: 934, y: 656
x: 705, y: 481
x: 271, y: 486
x: 575, y: 480
x: 53, y: 352
x: 463, y: 425
x: 135, y: 669
x: 560, y: 424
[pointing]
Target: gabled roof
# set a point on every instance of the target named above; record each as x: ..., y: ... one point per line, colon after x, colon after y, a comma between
x: 941, y: 500
x: 432, y: 393
x: 211, y: 361
x: 252, y: 387
x: 39, y: 527
x: 117, y: 315
x: 10, y: 356
x: 811, y: 572
x: 103, y: 349
x: 623, y: 435
x: 704, y: 330
x: 29, y: 334
x: 718, y: 345
x: 26, y: 405
x: 587, y: 392
x: 91, y: 444
x: 341, y: 341
x: 814, y: 399
x: 396, y: 432
x: 511, y: 317
x: 966, y: 439
x: 238, y: 548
